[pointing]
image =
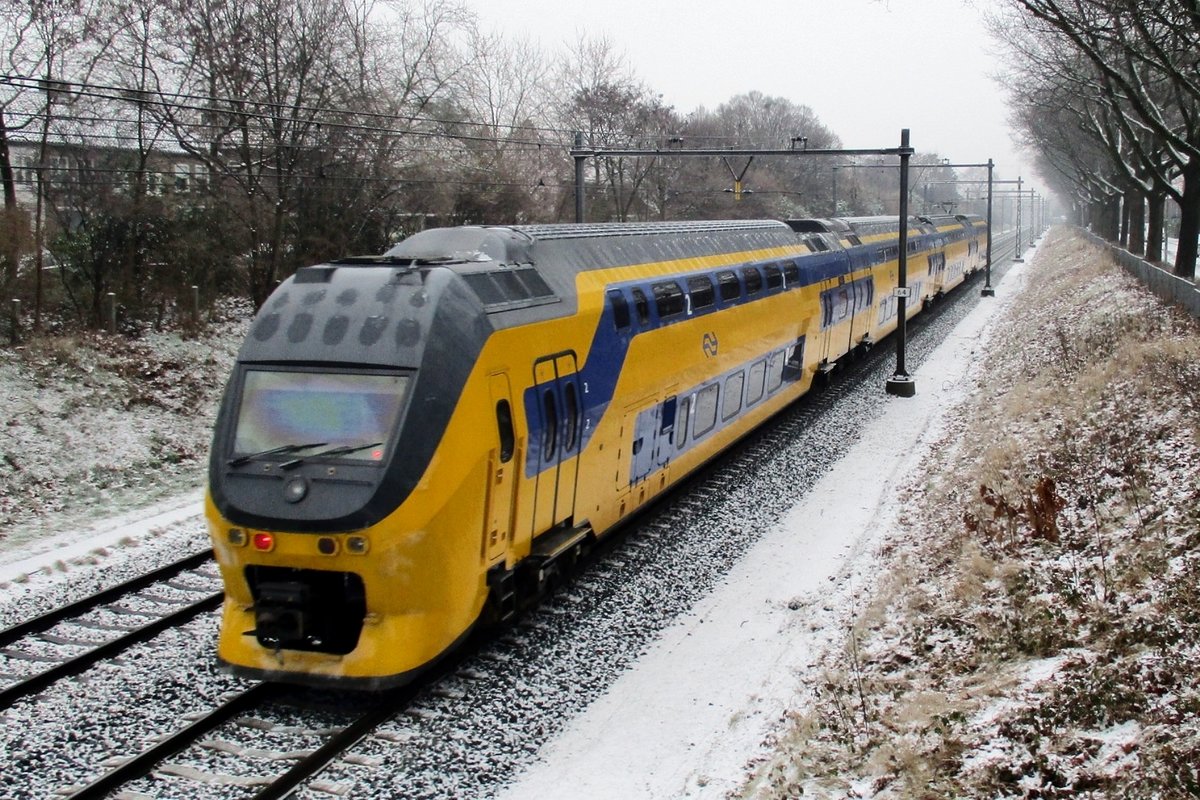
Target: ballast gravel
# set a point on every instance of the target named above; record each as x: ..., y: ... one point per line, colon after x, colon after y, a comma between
x: 468, y: 734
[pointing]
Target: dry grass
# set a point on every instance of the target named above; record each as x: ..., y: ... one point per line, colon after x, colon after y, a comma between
x: 1039, y: 635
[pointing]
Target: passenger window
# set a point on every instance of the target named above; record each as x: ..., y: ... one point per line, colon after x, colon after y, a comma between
x: 570, y: 429
x: 668, y: 298
x: 791, y: 273
x: 642, y: 306
x: 701, y: 292
x: 620, y: 308
x: 793, y: 366
x: 504, y: 424
x: 705, y: 412
x: 754, y: 382
x: 774, y: 371
x: 733, y: 395
x: 667, y: 420
x: 730, y: 288
x: 753, y: 279
x: 550, y: 417
x: 681, y: 423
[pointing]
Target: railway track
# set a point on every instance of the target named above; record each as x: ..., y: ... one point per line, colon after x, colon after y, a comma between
x: 68, y: 640
x: 445, y: 737
x: 242, y: 728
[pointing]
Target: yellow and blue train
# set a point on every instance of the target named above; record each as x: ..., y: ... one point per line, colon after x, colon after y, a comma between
x: 413, y: 442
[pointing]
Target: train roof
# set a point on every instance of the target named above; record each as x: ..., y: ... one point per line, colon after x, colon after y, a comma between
x: 513, y: 244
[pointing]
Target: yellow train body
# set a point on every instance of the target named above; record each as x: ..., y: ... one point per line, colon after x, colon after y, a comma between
x: 563, y: 426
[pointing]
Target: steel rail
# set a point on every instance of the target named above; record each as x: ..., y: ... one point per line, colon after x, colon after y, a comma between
x: 141, y: 765
x: 338, y: 743
x: 52, y: 618
x: 77, y: 664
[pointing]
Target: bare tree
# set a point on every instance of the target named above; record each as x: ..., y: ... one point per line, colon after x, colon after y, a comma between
x: 498, y: 112
x: 780, y: 187
x: 56, y: 45
x: 604, y: 100
x: 1147, y: 58
x: 287, y: 99
x: 1063, y: 106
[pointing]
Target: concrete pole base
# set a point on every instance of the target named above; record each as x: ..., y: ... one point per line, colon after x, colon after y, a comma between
x: 901, y: 386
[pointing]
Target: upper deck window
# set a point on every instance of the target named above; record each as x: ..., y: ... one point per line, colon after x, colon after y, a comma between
x: 753, y: 278
x: 642, y: 305
x: 620, y: 308
x: 728, y: 283
x: 774, y: 276
x: 700, y: 291
x: 669, y: 299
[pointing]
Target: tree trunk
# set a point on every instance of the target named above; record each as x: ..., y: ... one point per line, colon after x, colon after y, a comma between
x: 1189, y: 222
x: 1136, y: 200
x: 1154, y: 244
x: 1106, y: 218
x: 11, y: 231
x: 1114, y: 219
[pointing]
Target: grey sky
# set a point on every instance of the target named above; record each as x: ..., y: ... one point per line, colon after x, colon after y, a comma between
x: 866, y: 67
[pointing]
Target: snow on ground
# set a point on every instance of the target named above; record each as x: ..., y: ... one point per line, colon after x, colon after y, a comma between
x: 718, y: 706
x: 692, y: 712
x: 1034, y: 632
x: 103, y: 451
x: 83, y: 545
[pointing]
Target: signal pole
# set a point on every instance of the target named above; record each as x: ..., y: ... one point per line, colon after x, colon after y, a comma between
x: 901, y: 383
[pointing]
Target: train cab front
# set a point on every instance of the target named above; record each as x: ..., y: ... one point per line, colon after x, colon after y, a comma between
x: 322, y: 505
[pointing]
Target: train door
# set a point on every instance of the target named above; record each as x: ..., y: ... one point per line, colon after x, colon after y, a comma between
x: 559, y: 415
x: 502, y: 465
x: 834, y: 310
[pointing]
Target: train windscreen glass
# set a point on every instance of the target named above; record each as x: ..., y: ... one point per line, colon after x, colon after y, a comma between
x: 283, y: 411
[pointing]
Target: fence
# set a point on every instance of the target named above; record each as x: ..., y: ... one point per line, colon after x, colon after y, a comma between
x: 1162, y: 282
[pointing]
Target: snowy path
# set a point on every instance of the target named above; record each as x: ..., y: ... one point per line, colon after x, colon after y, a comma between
x: 696, y: 708
x: 109, y: 533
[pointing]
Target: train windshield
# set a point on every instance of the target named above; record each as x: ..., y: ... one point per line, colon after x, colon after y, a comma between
x: 353, y: 413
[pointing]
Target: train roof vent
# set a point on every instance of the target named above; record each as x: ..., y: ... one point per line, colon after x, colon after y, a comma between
x: 509, y: 288
x: 808, y: 225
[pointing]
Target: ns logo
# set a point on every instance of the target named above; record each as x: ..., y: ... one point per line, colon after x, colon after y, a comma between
x: 710, y: 344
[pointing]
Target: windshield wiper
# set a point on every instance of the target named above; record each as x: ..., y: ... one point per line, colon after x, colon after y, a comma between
x: 336, y: 451
x: 274, y: 451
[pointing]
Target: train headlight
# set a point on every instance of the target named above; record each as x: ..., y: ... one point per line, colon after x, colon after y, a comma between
x: 358, y: 545
x: 237, y: 537
x: 264, y: 541
x: 327, y: 546
x: 295, y: 490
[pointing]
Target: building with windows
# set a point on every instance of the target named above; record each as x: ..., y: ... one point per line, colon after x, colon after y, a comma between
x: 74, y: 170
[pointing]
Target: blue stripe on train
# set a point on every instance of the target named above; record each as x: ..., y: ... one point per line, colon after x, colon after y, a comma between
x: 606, y: 356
